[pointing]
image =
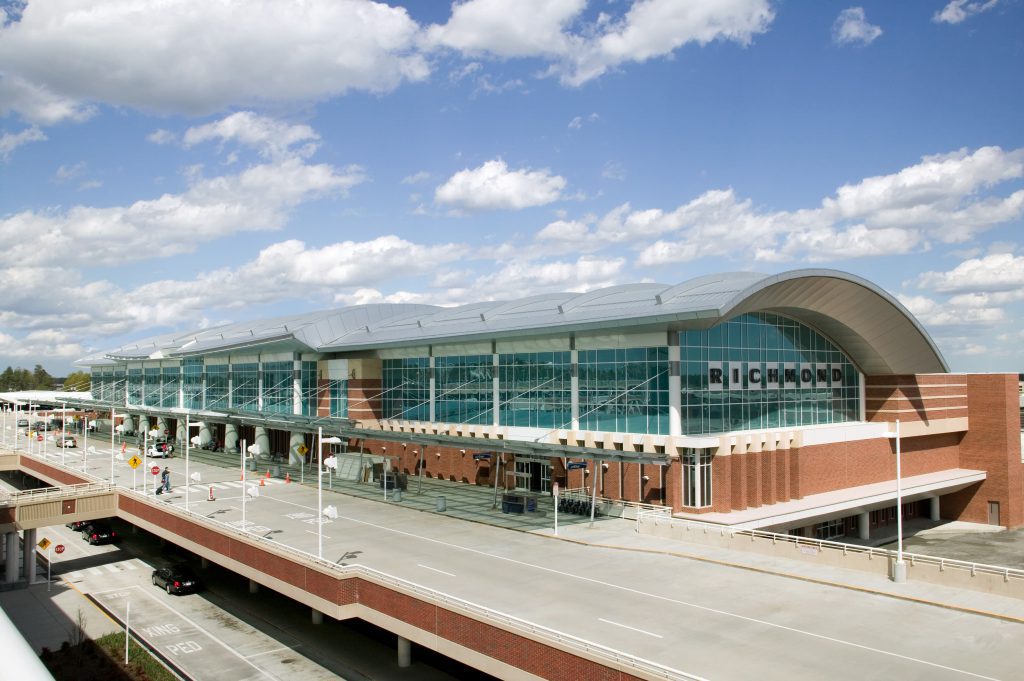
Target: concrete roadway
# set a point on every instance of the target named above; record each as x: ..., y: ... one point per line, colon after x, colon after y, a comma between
x: 705, y: 619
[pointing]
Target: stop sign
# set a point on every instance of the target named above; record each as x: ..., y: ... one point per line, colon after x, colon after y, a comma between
x: 155, y: 470
x: 59, y: 548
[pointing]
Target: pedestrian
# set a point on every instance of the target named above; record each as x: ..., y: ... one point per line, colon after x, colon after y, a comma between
x: 165, y: 479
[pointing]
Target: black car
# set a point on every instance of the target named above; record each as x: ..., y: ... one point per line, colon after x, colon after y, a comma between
x: 80, y: 525
x: 99, y: 533
x: 176, y: 579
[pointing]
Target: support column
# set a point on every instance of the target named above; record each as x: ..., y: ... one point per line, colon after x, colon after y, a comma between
x: 433, y: 389
x: 262, y: 440
x: 316, y: 616
x: 204, y: 563
x: 230, y: 437
x: 254, y: 587
x: 864, y: 526
x: 574, y: 388
x: 294, y: 441
x: 161, y: 426
x: 935, y: 509
x: 675, y: 387
x: 404, y: 652
x: 495, y: 391
x: 11, y: 568
x: 297, y: 396
x: 205, y: 435
x: 29, y: 554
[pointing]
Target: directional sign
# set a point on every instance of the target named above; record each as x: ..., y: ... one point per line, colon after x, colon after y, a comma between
x: 485, y: 456
x: 44, y: 544
x: 155, y: 470
x: 134, y: 462
x: 59, y: 548
x: 574, y: 465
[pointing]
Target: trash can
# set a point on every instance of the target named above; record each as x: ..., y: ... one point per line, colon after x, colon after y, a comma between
x: 252, y: 464
x: 442, y: 504
x: 396, y: 495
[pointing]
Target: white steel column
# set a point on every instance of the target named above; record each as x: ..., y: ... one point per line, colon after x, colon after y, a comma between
x: 864, y: 525
x: 404, y: 652
x: 935, y: 509
x: 574, y: 388
x: 29, y: 554
x: 297, y: 396
x: 675, y: 387
x: 495, y: 392
x: 433, y: 391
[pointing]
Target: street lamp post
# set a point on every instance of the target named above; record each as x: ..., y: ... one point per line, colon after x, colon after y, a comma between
x: 899, y: 570
x: 64, y: 431
x: 188, y: 433
x: 321, y: 441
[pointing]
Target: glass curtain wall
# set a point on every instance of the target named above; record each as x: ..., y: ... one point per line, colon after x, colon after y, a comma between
x: 245, y: 378
x: 536, y: 389
x: 192, y: 382
x: 134, y: 386
x: 277, y: 387
x: 772, y: 372
x: 169, y: 386
x: 464, y: 389
x: 216, y: 386
x: 151, y: 387
x: 338, y: 391
x: 406, y: 388
x: 624, y: 390
x: 308, y: 385
x: 119, y: 387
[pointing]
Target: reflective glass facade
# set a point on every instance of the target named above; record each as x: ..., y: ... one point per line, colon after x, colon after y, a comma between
x: 535, y: 389
x: 217, y: 386
x: 277, y: 387
x: 624, y: 390
x: 338, y: 395
x: 764, y: 371
x: 245, y: 386
x: 464, y: 389
x: 134, y: 386
x: 192, y: 382
x: 406, y: 388
x: 307, y: 381
x: 151, y: 386
x: 169, y: 377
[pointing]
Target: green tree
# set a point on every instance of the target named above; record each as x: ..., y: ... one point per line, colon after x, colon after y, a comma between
x: 7, y: 380
x: 41, y: 379
x: 77, y: 382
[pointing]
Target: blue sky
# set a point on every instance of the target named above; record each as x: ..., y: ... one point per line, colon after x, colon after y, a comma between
x: 166, y: 166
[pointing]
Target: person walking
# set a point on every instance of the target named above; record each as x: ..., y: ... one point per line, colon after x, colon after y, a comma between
x: 165, y: 479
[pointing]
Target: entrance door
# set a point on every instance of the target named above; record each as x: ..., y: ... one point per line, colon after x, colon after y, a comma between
x: 534, y: 476
x: 993, y: 513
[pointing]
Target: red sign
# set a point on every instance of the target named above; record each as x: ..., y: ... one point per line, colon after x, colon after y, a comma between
x: 155, y: 470
x: 59, y: 548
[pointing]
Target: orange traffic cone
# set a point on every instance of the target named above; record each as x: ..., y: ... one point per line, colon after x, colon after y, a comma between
x: 211, y: 494
x: 287, y: 478
x: 262, y: 484
x: 268, y: 473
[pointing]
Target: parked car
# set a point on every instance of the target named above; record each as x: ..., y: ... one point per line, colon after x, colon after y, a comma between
x: 176, y: 579
x: 160, y: 449
x: 40, y: 426
x: 99, y: 533
x: 80, y: 525
x: 23, y: 423
x: 67, y: 441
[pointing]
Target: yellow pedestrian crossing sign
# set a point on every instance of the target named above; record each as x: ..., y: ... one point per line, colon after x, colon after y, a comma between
x: 301, y: 450
x: 44, y: 544
x: 134, y: 462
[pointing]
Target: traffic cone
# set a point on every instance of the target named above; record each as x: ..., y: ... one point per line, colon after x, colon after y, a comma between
x: 287, y: 478
x: 211, y: 494
x: 262, y: 484
x: 268, y: 473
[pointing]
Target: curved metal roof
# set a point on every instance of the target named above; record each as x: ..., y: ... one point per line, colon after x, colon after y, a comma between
x: 871, y: 326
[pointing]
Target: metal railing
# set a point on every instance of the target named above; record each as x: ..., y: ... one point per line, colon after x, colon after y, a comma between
x: 50, y: 493
x: 1007, y: 573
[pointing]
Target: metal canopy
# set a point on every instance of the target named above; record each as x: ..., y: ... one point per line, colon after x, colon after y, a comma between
x: 348, y: 428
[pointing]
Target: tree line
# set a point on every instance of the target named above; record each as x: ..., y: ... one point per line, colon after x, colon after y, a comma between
x: 40, y: 379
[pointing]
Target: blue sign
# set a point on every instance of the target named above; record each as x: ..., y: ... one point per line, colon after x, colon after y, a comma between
x: 575, y: 465
x: 482, y: 457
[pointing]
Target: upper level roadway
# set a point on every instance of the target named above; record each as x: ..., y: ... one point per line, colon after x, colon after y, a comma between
x: 530, y: 605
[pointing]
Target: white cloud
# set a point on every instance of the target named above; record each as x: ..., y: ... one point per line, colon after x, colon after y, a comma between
x: 257, y: 199
x: 161, y: 136
x: 416, y: 178
x: 525, y: 28
x: 564, y: 230
x: 933, y: 313
x: 11, y: 141
x: 518, y: 279
x: 272, y: 138
x: 992, y: 273
x: 196, y: 57
x: 851, y: 27
x: 613, y: 171
x: 493, y: 186
x: 65, y: 173
x: 959, y: 10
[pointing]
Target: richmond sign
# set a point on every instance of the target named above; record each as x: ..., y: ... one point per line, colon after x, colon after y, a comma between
x: 759, y: 376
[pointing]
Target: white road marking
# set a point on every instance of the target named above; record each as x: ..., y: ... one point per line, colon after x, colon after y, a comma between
x: 275, y: 650
x: 312, y: 532
x: 427, y: 567
x: 626, y: 626
x: 217, y: 485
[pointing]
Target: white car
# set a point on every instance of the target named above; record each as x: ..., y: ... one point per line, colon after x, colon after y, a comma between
x: 66, y: 441
x: 160, y: 450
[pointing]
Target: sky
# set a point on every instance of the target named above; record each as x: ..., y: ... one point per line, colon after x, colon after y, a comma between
x: 173, y: 165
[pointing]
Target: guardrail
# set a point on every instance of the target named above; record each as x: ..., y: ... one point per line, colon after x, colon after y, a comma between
x: 565, y: 641
x: 50, y: 493
x: 825, y: 545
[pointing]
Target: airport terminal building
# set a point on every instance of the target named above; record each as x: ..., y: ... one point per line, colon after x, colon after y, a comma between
x: 742, y: 399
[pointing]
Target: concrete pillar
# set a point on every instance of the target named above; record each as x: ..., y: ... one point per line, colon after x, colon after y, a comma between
x: 433, y: 390
x: 574, y: 389
x: 29, y: 553
x: 675, y: 387
x: 404, y: 652
x: 143, y: 428
x: 495, y: 391
x: 205, y: 434
x: 864, y: 526
x: 317, y: 617
x: 294, y: 441
x: 11, y: 571
x: 935, y: 509
x: 230, y: 437
x: 297, y: 386
x: 254, y: 587
x: 161, y: 426
x: 262, y: 440
x: 204, y: 563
